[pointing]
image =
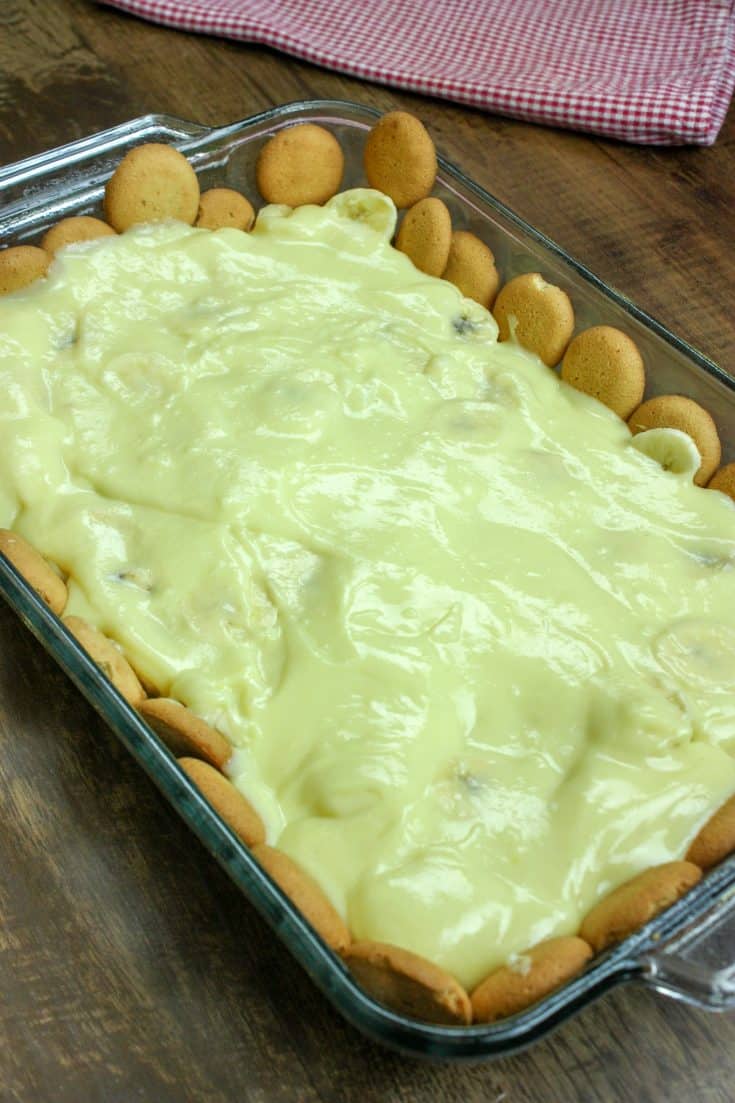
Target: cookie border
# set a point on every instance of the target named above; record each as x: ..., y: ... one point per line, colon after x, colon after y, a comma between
x: 15, y: 260
x: 510, y: 989
x: 228, y: 802
x: 685, y: 411
x: 715, y: 840
x: 405, y: 981
x: 35, y: 570
x: 612, y: 371
x: 636, y: 902
x: 305, y: 894
x: 108, y: 656
x: 394, y: 134
x: 278, y: 187
x: 185, y: 734
x: 543, y: 312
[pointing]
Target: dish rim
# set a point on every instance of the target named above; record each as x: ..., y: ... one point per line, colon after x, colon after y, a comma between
x: 630, y: 960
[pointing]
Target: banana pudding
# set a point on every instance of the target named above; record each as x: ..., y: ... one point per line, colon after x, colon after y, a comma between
x: 473, y: 645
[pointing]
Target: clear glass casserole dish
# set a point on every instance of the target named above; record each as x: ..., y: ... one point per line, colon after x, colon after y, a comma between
x: 682, y: 952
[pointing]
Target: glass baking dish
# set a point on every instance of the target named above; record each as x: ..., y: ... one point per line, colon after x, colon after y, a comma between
x: 683, y: 952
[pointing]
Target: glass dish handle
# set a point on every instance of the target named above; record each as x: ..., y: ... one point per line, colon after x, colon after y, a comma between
x: 150, y: 127
x: 697, y: 966
x: 59, y: 182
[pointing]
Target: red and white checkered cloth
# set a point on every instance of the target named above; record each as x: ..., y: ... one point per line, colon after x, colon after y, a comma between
x: 656, y: 71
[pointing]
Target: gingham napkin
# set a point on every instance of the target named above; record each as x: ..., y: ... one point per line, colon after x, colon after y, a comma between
x: 655, y: 71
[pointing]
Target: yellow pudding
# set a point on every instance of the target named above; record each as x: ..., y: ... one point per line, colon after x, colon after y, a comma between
x: 475, y: 649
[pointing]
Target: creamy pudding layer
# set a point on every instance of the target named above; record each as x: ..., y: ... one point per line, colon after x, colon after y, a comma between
x: 475, y: 651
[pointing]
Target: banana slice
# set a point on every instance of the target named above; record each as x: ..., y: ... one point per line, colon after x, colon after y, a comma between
x: 368, y: 206
x: 699, y: 652
x: 673, y: 449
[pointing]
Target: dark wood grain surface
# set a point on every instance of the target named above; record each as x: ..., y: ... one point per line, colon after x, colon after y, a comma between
x: 131, y: 969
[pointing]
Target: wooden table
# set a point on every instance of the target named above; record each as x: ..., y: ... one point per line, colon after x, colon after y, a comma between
x: 131, y: 968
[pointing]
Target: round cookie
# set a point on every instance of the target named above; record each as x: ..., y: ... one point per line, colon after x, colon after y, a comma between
x: 227, y: 801
x: 400, y: 158
x: 37, y: 572
x: 674, y: 411
x: 471, y: 267
x: 716, y: 839
x: 153, y: 182
x: 634, y: 903
x: 306, y: 895
x: 184, y: 733
x: 20, y: 265
x: 544, y: 316
x: 605, y: 363
x: 109, y: 658
x: 724, y: 480
x: 408, y: 983
x: 425, y: 235
x: 302, y: 164
x: 71, y: 231
x: 508, y: 990
x: 220, y: 207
